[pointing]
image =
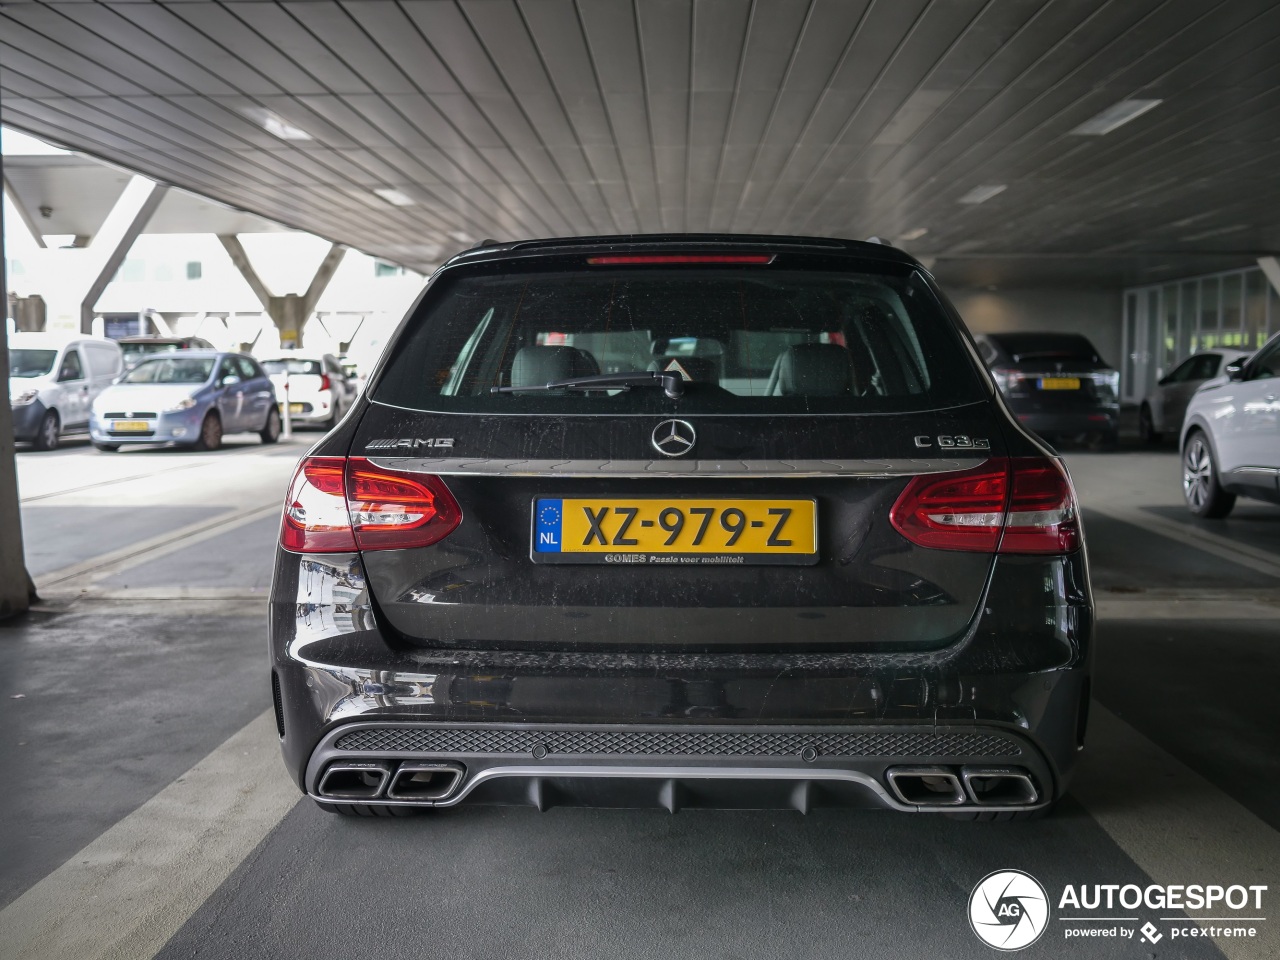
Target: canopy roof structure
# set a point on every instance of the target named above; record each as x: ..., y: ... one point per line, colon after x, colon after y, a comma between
x: 1093, y: 139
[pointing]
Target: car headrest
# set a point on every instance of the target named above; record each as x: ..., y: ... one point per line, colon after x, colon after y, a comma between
x: 812, y: 370
x: 701, y: 369
x: 534, y: 366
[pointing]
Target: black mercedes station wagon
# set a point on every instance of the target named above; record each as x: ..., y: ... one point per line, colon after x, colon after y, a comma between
x: 682, y: 521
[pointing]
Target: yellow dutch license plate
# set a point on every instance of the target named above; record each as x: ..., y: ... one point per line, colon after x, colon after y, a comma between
x: 130, y: 426
x: 674, y: 532
x: 293, y: 408
x: 1059, y: 383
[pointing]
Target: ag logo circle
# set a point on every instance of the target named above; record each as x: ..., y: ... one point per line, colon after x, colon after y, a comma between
x: 1008, y: 910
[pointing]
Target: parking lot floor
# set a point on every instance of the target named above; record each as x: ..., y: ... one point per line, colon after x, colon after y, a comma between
x: 154, y: 817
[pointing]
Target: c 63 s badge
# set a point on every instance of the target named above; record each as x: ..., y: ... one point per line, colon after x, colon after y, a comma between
x: 411, y: 444
x: 957, y: 442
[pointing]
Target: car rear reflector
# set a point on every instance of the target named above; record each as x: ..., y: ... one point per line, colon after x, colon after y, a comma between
x: 633, y: 259
x: 1006, y: 505
x: 343, y: 504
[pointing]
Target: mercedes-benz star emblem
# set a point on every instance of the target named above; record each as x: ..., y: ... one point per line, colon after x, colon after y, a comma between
x: 674, y: 438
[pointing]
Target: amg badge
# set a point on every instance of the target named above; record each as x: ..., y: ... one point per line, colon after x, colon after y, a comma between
x: 411, y: 444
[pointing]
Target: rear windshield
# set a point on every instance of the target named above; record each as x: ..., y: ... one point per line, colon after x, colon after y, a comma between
x: 134, y: 350
x: 172, y: 370
x: 1048, y: 346
x: 753, y: 340
x: 300, y: 367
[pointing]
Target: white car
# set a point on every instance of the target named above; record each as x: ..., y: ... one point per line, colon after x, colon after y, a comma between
x: 1165, y: 407
x: 53, y: 381
x: 318, y: 389
x: 1231, y: 436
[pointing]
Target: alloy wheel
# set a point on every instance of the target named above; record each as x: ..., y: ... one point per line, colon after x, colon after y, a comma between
x: 49, y: 433
x: 1197, y: 473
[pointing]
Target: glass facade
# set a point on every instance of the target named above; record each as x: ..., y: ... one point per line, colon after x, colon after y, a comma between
x: 1167, y: 322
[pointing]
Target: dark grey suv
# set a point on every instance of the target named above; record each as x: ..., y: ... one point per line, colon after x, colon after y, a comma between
x: 1056, y: 384
x: 681, y: 521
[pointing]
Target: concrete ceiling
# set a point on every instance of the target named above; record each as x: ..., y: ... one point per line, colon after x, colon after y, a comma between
x: 521, y: 118
x: 72, y: 195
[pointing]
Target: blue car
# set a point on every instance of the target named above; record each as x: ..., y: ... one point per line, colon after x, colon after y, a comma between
x: 192, y: 399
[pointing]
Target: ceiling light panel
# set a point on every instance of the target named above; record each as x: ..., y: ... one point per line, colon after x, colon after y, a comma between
x: 1115, y: 116
x: 276, y: 125
x: 395, y: 197
x: 984, y: 193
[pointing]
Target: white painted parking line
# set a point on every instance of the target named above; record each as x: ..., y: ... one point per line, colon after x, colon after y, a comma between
x: 153, y: 547
x: 1225, y: 548
x: 1178, y: 827
x: 124, y: 895
x: 1149, y: 608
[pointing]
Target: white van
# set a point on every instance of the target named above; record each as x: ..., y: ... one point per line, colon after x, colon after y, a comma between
x: 53, y: 381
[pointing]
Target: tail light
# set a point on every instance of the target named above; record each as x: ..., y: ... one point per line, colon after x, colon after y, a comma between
x: 343, y: 504
x: 324, y: 381
x: 651, y: 258
x: 1007, y: 505
x: 1009, y: 381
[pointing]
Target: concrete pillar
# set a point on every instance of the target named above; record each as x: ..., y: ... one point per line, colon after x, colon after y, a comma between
x: 111, y: 243
x: 28, y: 312
x: 72, y: 280
x: 23, y: 213
x: 1271, y: 267
x: 290, y: 312
x: 16, y: 589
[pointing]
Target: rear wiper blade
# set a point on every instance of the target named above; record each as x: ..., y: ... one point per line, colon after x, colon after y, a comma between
x: 672, y: 384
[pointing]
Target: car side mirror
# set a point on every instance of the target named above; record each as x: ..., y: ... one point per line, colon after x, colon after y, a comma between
x: 1164, y: 381
x: 229, y: 380
x: 1235, y: 369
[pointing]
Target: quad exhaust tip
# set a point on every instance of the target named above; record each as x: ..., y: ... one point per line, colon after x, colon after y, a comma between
x: 1000, y: 786
x: 978, y: 786
x: 926, y: 786
x: 355, y: 780
x: 367, y: 780
x: 426, y: 780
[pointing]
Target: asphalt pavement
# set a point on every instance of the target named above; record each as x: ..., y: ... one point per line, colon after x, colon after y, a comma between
x: 149, y: 814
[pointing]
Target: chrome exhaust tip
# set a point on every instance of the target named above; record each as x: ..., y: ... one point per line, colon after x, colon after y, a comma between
x: 354, y: 780
x: 1000, y: 786
x: 926, y: 786
x: 428, y: 780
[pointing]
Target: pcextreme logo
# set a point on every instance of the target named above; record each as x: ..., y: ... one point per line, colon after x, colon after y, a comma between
x: 1008, y: 910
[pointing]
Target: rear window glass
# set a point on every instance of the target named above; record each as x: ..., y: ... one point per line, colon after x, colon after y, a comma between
x: 134, y: 350
x: 1023, y: 347
x: 175, y: 370
x: 292, y: 366
x: 741, y: 340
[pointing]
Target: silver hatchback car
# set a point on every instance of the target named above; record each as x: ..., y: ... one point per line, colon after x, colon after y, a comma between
x: 1165, y: 407
x: 1231, y: 436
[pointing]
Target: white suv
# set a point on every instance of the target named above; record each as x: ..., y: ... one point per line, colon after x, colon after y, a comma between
x: 1231, y: 436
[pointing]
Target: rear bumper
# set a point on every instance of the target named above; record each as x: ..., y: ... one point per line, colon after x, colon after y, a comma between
x: 909, y: 769
x: 682, y: 729
x: 1096, y: 420
x: 315, y: 409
